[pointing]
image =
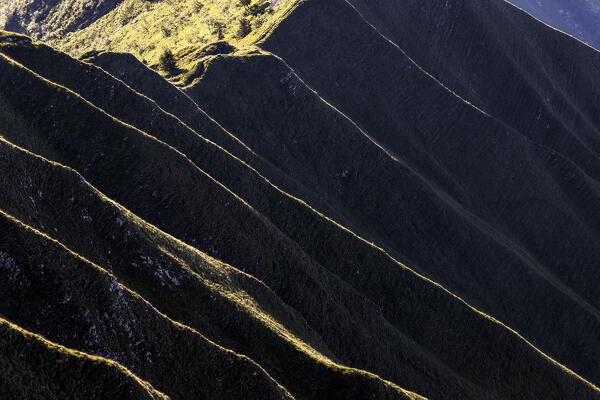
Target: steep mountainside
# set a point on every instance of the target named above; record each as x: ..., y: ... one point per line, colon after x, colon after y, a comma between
x: 262, y: 217
x: 59, y: 372
x: 508, y: 184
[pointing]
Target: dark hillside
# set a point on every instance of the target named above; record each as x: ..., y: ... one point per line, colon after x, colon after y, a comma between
x: 59, y: 372
x: 528, y: 75
x: 195, y: 133
x: 507, y: 187
x: 309, y: 264
x: 177, y: 280
x: 223, y: 199
x: 107, y: 319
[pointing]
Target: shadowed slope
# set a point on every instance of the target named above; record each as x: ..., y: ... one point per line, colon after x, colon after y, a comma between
x: 117, y: 323
x: 43, y: 282
x: 32, y: 367
x: 444, y: 335
x: 517, y: 193
x: 109, y: 320
x: 191, y: 131
x: 312, y: 377
x: 533, y: 78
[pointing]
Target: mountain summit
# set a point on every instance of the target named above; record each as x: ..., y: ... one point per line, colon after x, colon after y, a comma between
x: 316, y: 199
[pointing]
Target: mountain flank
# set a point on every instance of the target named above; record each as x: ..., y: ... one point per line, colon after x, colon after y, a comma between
x: 349, y: 200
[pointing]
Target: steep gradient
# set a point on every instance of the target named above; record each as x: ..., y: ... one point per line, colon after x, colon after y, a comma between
x: 509, y: 186
x: 247, y: 224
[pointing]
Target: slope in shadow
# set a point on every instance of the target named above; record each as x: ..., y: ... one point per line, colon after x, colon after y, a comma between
x: 288, y: 248
x: 528, y: 200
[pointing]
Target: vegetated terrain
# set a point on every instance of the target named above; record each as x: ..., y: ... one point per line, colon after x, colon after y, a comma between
x: 32, y: 367
x: 145, y: 28
x: 578, y: 18
x: 240, y: 224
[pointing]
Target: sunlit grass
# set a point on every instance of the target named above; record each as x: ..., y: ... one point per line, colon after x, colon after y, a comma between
x: 146, y: 29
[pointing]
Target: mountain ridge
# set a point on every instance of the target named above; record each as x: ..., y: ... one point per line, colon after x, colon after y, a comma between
x: 17, y: 335
x: 287, y: 162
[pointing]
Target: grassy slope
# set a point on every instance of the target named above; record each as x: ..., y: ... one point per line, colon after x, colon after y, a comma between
x: 522, y: 251
x: 195, y: 134
x: 430, y: 135
x: 43, y: 281
x: 146, y: 29
x: 117, y: 323
x: 281, y: 353
x: 422, y: 330
x: 34, y: 368
x: 541, y: 77
x: 107, y: 319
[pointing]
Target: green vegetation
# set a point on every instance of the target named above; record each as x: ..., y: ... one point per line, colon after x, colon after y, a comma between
x: 33, y: 368
x: 514, y: 189
x: 244, y: 27
x: 143, y: 28
x: 291, y: 300
x: 248, y: 325
x: 114, y: 321
x: 225, y: 219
